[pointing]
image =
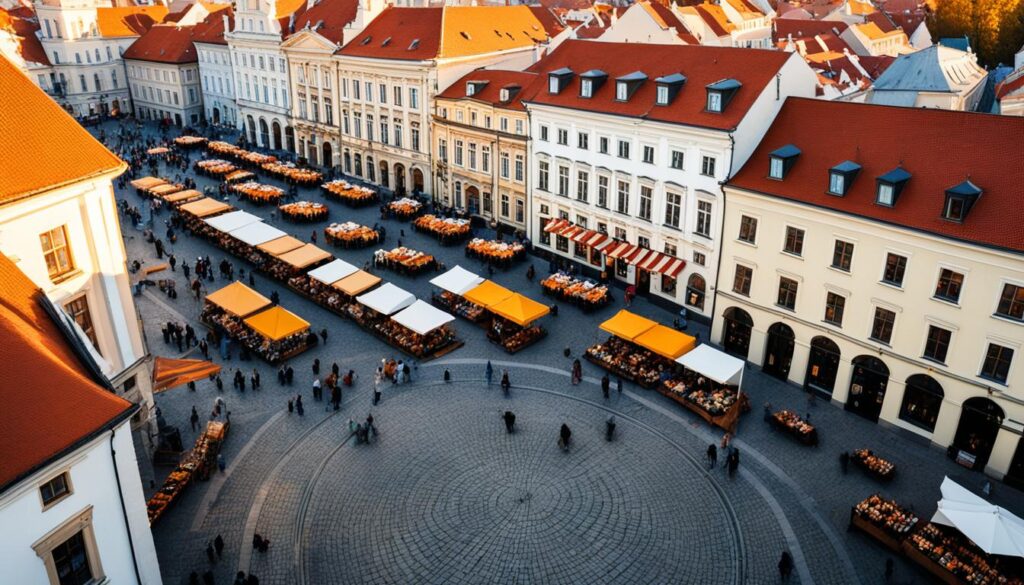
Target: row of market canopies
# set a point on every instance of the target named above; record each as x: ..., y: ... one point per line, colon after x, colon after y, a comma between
x: 250, y: 230
x: 497, y: 299
x: 273, y: 322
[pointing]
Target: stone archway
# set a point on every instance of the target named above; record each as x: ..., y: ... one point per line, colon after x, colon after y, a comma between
x: 472, y: 199
x: 822, y: 366
x: 385, y: 179
x: 277, y: 135
x: 867, y: 387
x: 976, y: 432
x: 417, y: 181
x: 289, y: 139
x: 778, y: 351
x: 399, y: 170
x: 736, y: 332
x: 922, y: 400
x: 216, y: 115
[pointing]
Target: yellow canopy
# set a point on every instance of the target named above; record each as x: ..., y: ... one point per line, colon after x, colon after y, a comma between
x: 169, y: 373
x: 305, y: 256
x: 147, y: 182
x: 182, y: 196
x: 205, y: 207
x: 520, y: 310
x: 357, y: 283
x: 487, y: 294
x: 281, y: 245
x: 627, y: 325
x: 238, y: 299
x: 165, y: 189
x: 666, y: 342
x: 277, y: 323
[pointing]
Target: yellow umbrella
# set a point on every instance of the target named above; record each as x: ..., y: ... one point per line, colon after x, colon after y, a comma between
x: 277, y: 323
x: 520, y: 310
x: 487, y: 294
x: 666, y: 342
x: 627, y: 325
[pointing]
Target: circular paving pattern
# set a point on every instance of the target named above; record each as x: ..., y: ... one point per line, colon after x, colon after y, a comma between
x: 445, y: 495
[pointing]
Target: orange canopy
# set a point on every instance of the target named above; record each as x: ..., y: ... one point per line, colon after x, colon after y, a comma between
x: 305, y: 256
x: 627, y: 325
x: 487, y: 294
x: 182, y: 196
x: 520, y: 310
x: 170, y: 373
x: 357, y: 283
x: 666, y: 342
x: 238, y: 299
x: 165, y: 189
x: 281, y: 245
x: 205, y: 207
x: 147, y: 182
x: 277, y: 323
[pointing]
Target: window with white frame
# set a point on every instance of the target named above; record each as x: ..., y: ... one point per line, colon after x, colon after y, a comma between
x: 673, y: 208
x: 622, y: 201
x: 563, y: 180
x: 543, y: 170
x: 582, y: 186
x: 703, y: 227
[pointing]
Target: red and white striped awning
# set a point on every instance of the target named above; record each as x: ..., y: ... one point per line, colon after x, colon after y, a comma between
x: 597, y: 240
x: 572, y: 231
x: 556, y: 225
x: 662, y: 264
x: 622, y: 250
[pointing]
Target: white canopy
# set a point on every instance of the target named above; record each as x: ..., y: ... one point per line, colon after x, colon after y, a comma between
x: 457, y: 281
x: 387, y: 299
x: 257, y: 233
x: 333, y: 272
x: 422, y: 317
x: 230, y: 222
x: 720, y: 367
x: 996, y: 530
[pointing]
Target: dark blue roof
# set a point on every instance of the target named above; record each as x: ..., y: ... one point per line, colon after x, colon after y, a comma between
x: 562, y: 71
x: 594, y: 73
x: 672, y: 79
x: 787, y: 151
x: 725, y: 85
x: 847, y: 166
x: 634, y: 76
x: 960, y: 43
x: 895, y: 176
x: 965, y: 189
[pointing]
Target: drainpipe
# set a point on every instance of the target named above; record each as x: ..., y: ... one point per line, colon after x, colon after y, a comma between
x: 721, y: 235
x: 124, y: 510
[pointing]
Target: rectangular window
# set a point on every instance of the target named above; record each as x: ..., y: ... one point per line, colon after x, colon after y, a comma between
x: 673, y: 208
x: 397, y: 91
x: 542, y: 175
x: 78, y: 310
x: 834, y: 306
x: 699, y: 258
x: 583, y: 141
x: 414, y: 98
x: 602, y: 191
x: 881, y: 327
x: 949, y: 285
x: 544, y: 133
x: 649, y: 155
x: 707, y: 166
x: 57, y: 252
x: 472, y: 155
x: 748, y: 229
x: 662, y: 95
x: 442, y: 149
x: 458, y: 153
x: 355, y: 90
x: 519, y: 126
x: 383, y: 91
x: 677, y: 160
x: 563, y: 136
x: 997, y: 363
x: 842, y: 255
x: 621, y: 91
x: 836, y: 183
x: 741, y: 281
x: 937, y: 345
x: 794, y: 241
x: 646, y: 195
x: 71, y: 561
x: 368, y: 87
x: 895, y: 268
x: 520, y: 164
x: 563, y: 181
x: 602, y: 145
x: 787, y: 293
x: 623, y: 149
x: 775, y: 167
x: 885, y: 194
x: 703, y: 226
x: 504, y: 204
x: 504, y: 165
x: 1011, y: 302
x: 485, y: 159
x: 622, y: 203
x: 582, y: 186
x: 520, y: 211
x: 55, y: 489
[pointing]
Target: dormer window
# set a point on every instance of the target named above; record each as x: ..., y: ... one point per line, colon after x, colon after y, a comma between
x: 960, y: 200
x: 890, y: 185
x: 591, y: 81
x: 587, y: 88
x: 627, y: 85
x: 508, y: 92
x: 558, y: 79
x: 470, y: 89
x: 720, y: 93
x: 841, y: 176
x: 474, y: 87
x: 781, y: 160
x: 503, y: 94
x: 668, y: 88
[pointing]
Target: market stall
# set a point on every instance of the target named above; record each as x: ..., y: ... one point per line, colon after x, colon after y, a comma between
x: 884, y: 520
x: 421, y: 331
x: 248, y: 157
x: 316, y: 284
x: 495, y: 252
x: 584, y: 293
x: 145, y: 183
x: 351, y: 235
x: 709, y: 384
x: 236, y: 300
x: 795, y: 426
x: 454, y: 284
x: 281, y: 245
x: 285, y: 266
x: 873, y: 465
x: 513, y: 326
x: 292, y: 174
x: 160, y: 191
x: 214, y: 167
x: 348, y: 193
x: 282, y: 335
x: 303, y: 211
x: 622, y: 356
x: 243, y: 242
x: 195, y: 212
x: 217, y: 228
x: 258, y: 193
x: 356, y: 284
x: 378, y: 304
x: 182, y: 197
x: 404, y: 260
x: 447, y: 230
x: 405, y: 208
x: 197, y: 464
x: 189, y: 141
x: 239, y: 176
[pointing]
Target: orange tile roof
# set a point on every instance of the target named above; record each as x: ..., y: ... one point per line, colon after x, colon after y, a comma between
x: 42, y: 146
x: 496, y: 79
x: 285, y: 8
x: 713, y: 16
x: 331, y: 15
x: 860, y: 8
x: 873, y: 32
x: 666, y: 18
x: 128, y: 21
x: 164, y: 43
x: 211, y: 29
x: 51, y: 403
x: 24, y: 25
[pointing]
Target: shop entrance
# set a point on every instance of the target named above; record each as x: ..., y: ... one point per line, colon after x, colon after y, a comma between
x: 643, y: 281
x: 736, y: 333
x: 400, y: 180
x: 867, y: 387
x: 822, y: 366
x: 473, y: 200
x: 417, y: 181
x: 976, y: 433
x: 778, y: 351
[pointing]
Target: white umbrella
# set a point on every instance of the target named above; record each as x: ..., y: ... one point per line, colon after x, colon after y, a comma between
x: 996, y: 530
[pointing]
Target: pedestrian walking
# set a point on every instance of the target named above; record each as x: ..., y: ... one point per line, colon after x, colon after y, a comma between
x: 173, y: 262
x: 510, y: 421
x: 254, y: 380
x: 316, y: 367
x: 281, y: 376
x: 618, y: 385
x: 336, y: 397
x: 316, y: 388
x: 335, y: 369
x: 489, y: 372
x: 734, y: 461
x: 506, y: 384
x: 210, y: 554
x: 609, y: 429
x: 712, y: 456
x: 298, y: 405
x: 220, y: 462
x: 289, y: 375
x: 323, y: 335
x: 564, y: 437
x: 785, y: 565
x: 844, y: 461
x: 376, y: 390
x: 218, y: 545
x: 577, y: 371
x: 291, y: 406
x: 369, y: 425
x: 767, y: 412
x: 605, y: 386
x: 194, y: 418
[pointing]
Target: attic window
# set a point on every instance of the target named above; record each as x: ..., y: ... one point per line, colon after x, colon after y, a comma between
x: 959, y: 201
x: 385, y: 42
x: 367, y: 40
x: 591, y: 81
x: 841, y: 176
x: 508, y: 92
x: 781, y: 160
x: 473, y: 87
x: 890, y: 185
x: 720, y: 93
x: 558, y: 79
x: 668, y: 88
x: 627, y: 85
x: 412, y: 46
x: 465, y: 35
x: 503, y: 94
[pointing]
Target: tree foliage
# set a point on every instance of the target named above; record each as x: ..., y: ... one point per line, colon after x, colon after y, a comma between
x: 994, y: 27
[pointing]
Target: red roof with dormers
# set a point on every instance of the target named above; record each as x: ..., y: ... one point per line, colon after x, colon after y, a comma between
x: 753, y: 68
x: 491, y: 92
x: 328, y: 17
x: 939, y: 148
x: 211, y: 29
x: 164, y: 43
x: 784, y: 28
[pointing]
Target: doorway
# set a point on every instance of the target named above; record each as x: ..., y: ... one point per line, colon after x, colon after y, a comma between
x: 822, y: 366
x: 736, y: 333
x: 867, y: 387
x: 976, y: 432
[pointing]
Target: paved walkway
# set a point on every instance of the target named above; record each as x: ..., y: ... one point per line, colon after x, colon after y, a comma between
x: 446, y: 496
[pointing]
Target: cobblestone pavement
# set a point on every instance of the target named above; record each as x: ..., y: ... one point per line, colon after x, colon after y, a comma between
x: 445, y: 496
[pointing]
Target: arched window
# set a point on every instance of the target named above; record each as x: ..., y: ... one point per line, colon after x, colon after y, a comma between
x: 695, y: 290
x: 921, y: 401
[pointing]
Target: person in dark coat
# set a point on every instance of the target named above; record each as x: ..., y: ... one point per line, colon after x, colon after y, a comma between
x: 316, y: 367
x: 194, y: 418
x: 844, y: 461
x: 218, y: 545
x: 505, y: 382
x: 712, y: 455
x: 510, y: 421
x: 734, y: 461
x: 336, y: 397
x: 289, y: 375
x: 564, y: 436
x: 606, y: 385
x: 785, y: 565
x: 298, y: 405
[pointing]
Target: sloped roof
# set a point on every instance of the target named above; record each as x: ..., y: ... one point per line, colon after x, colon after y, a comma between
x: 921, y: 141
x: 211, y: 30
x: 128, y: 21
x: 164, y: 43
x: 934, y: 68
x: 1012, y: 85
x: 23, y: 23
x: 51, y: 402
x: 754, y: 68
x: 784, y: 28
x: 328, y: 18
x: 285, y: 8
x: 57, y: 151
x: 713, y: 16
x: 666, y: 18
x: 548, y: 19
x: 491, y: 92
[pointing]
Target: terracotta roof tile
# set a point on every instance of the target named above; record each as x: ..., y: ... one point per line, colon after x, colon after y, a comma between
x: 24, y: 25
x: 714, y: 17
x: 51, y: 402
x: 331, y: 15
x: 50, y: 148
x: 496, y: 80
x: 939, y: 148
x: 754, y: 68
x: 164, y: 43
x: 128, y: 21
x: 285, y: 8
x: 783, y: 28
x: 548, y: 20
x: 415, y: 35
x: 211, y: 29
x: 665, y: 17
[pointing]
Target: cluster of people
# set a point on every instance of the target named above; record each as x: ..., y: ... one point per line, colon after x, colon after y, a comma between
x: 215, y: 553
x: 732, y: 455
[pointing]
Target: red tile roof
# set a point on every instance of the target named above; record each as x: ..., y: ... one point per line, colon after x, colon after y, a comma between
x: 939, y: 148
x: 875, y: 65
x: 24, y: 24
x: 332, y: 15
x: 402, y: 26
x: 548, y: 19
x: 783, y: 28
x: 670, y: 19
x: 211, y: 29
x: 164, y: 43
x: 754, y: 68
x: 51, y: 403
x: 496, y: 80
x: 57, y: 151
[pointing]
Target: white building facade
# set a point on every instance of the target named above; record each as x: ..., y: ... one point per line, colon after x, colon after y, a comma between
x: 216, y: 73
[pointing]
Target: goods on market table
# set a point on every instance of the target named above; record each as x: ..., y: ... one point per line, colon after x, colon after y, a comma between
x: 568, y: 287
x: 873, y: 463
x: 413, y: 260
x: 792, y: 422
x: 886, y: 515
x: 290, y: 172
x: 189, y: 140
x: 216, y: 166
x: 958, y: 555
x: 158, y: 150
x: 303, y: 210
x: 442, y: 227
x: 351, y: 234
x: 405, y: 208
x: 258, y: 192
x: 494, y: 251
x: 629, y: 360
x: 716, y: 402
x: 349, y: 193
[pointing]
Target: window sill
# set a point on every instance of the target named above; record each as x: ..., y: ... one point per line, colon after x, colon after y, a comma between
x: 622, y: 213
x: 891, y: 285
x: 785, y: 308
x: 1007, y: 319
x: 933, y: 360
x: 66, y: 276
x: 54, y: 502
x: 839, y: 270
x: 793, y: 255
x: 705, y: 236
x: 1001, y: 383
x: 671, y: 227
x: 746, y: 243
x: 880, y: 342
x: 949, y: 302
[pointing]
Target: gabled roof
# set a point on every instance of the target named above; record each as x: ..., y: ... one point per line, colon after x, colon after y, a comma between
x: 22, y: 22
x: 784, y: 28
x: 328, y: 18
x: 939, y: 148
x: 164, y: 43
x: 666, y: 18
x: 702, y: 66
x: 128, y: 21
x: 56, y: 152
x: 51, y: 402
x: 211, y: 29
x: 417, y: 34
x: 548, y: 19
x: 496, y: 80
x: 935, y: 68
x: 713, y: 16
